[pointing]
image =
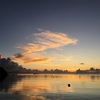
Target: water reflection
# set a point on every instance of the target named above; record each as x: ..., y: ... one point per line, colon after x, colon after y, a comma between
x: 40, y: 84
x: 9, y: 82
x: 43, y: 87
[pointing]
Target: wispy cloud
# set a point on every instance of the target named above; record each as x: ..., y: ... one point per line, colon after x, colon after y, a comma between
x: 64, y: 58
x: 40, y: 42
x: 30, y: 58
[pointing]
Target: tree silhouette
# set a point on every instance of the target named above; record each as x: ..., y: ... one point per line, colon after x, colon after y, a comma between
x: 92, y: 69
x: 3, y: 74
x: 11, y: 66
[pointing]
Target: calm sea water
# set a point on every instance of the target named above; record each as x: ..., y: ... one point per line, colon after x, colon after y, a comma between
x: 50, y: 87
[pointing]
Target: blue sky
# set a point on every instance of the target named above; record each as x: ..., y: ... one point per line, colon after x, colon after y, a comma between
x: 78, y: 19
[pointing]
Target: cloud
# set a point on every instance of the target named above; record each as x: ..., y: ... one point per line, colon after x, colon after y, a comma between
x: 81, y: 63
x: 60, y: 57
x: 40, y: 42
x: 30, y: 58
x: 68, y: 58
x: 53, y: 40
x: 36, y: 60
x: 18, y: 55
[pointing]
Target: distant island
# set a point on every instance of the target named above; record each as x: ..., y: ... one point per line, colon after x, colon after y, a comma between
x: 14, y: 68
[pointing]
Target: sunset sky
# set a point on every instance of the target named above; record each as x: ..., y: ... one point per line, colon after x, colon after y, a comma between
x: 51, y: 34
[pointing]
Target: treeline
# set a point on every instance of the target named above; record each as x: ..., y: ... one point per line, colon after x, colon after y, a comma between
x: 13, y: 67
x: 90, y: 71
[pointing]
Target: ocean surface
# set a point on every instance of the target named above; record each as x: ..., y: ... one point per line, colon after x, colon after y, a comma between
x: 50, y: 87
